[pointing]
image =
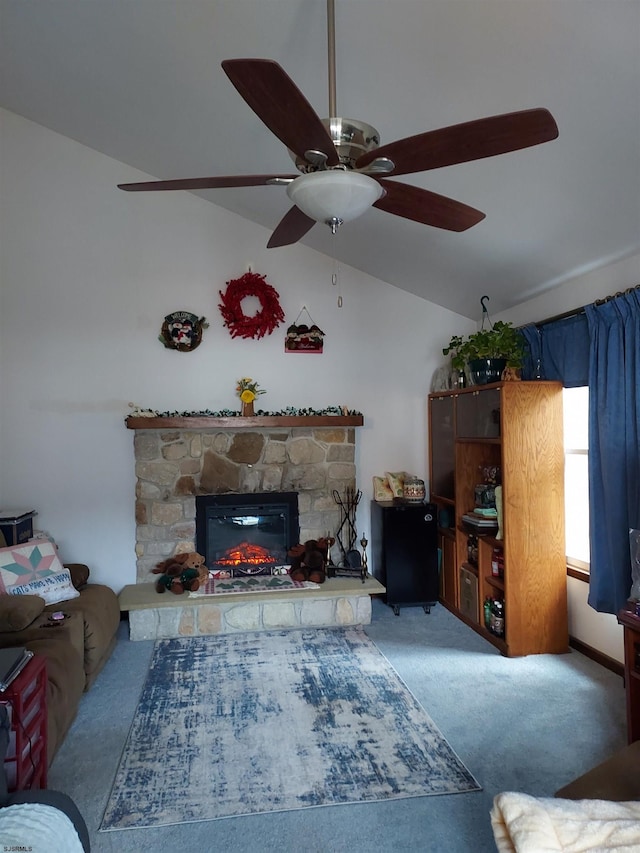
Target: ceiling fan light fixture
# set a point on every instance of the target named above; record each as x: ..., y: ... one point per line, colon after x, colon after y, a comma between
x: 334, y: 195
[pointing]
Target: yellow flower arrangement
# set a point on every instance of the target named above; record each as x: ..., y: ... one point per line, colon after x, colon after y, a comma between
x: 248, y: 390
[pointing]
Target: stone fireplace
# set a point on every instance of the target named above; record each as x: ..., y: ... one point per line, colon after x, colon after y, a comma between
x: 175, y: 465
x: 180, y: 459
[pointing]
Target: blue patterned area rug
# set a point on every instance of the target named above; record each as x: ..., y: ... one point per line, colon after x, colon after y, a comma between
x: 249, y: 723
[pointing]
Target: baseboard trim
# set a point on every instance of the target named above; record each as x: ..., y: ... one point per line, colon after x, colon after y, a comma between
x: 597, y: 656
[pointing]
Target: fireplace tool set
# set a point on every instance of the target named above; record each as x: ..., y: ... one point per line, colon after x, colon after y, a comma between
x: 353, y: 564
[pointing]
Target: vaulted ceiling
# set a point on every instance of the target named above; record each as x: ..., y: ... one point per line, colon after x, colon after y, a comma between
x: 140, y: 80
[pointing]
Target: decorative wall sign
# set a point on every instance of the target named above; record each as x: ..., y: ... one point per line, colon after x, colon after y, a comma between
x: 240, y: 324
x: 303, y: 338
x: 182, y: 331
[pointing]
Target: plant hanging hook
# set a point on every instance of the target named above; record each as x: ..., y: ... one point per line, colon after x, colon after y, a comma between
x: 485, y: 312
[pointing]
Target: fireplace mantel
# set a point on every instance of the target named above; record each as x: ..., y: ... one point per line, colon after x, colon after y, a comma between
x: 238, y: 422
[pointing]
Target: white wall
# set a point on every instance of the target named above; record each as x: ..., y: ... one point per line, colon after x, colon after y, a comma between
x: 87, y: 274
x: 598, y: 630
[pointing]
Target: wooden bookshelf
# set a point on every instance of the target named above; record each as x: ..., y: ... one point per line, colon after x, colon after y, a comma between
x: 517, y: 427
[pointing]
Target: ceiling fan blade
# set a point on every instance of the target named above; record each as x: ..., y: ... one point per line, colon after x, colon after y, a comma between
x: 291, y: 228
x: 208, y: 183
x: 471, y: 140
x: 277, y: 101
x: 427, y: 207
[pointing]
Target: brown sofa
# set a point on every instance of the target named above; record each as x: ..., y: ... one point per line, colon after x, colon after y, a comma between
x: 617, y: 778
x: 75, y: 649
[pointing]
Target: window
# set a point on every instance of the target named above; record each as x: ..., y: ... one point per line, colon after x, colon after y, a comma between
x: 576, y: 476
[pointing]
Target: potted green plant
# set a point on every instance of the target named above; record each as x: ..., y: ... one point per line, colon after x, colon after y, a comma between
x: 487, y: 352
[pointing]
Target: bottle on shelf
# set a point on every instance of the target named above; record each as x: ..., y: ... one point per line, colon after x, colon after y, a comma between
x: 497, y: 563
x: 487, y: 612
x: 497, y: 617
x: 472, y: 550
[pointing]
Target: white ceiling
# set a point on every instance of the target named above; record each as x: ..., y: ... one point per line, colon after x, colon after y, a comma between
x: 140, y: 80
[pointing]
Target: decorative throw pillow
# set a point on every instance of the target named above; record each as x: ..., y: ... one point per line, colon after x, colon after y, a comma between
x: 17, y: 613
x: 34, y: 569
x: 381, y: 489
x: 396, y: 481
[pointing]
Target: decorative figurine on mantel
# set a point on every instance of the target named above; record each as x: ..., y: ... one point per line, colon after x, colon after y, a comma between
x: 139, y: 412
x: 248, y: 390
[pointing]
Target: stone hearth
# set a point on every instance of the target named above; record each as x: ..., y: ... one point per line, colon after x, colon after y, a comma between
x: 337, y: 603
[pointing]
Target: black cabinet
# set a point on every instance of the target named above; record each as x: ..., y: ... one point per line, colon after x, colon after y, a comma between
x: 404, y: 546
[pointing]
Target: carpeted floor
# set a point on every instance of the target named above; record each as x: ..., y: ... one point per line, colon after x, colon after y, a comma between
x: 523, y: 724
x: 253, y: 723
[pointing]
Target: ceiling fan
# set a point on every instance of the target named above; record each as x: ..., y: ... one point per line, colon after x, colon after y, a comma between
x: 343, y: 169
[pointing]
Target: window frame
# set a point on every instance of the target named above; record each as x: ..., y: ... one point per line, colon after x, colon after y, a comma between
x: 576, y: 568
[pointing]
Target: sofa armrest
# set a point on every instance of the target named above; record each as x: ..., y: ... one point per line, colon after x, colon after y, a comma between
x: 79, y: 574
x: 17, y: 613
x: 100, y: 610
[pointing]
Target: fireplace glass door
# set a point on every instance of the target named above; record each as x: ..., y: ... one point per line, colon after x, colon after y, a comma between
x: 241, y: 535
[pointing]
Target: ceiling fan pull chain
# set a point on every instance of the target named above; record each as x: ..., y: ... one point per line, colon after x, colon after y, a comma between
x: 335, y: 281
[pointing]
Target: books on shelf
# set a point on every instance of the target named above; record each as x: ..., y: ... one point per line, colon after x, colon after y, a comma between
x: 486, y: 512
x: 12, y: 662
x: 479, y: 522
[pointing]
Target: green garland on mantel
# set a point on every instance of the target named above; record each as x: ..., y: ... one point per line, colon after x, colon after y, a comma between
x: 290, y: 411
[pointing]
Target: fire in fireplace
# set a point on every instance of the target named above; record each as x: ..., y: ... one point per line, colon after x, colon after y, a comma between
x: 246, y: 534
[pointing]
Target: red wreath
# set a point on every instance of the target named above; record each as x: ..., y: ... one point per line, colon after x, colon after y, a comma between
x: 265, y: 321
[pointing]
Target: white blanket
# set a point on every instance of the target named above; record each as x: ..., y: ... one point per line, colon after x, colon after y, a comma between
x: 525, y: 824
x: 37, y: 828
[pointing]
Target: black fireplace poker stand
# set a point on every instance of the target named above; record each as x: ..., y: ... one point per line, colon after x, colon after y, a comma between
x: 353, y: 564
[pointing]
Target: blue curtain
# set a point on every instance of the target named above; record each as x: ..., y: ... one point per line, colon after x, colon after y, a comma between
x: 614, y: 460
x: 601, y: 348
x: 532, y: 364
x: 558, y: 350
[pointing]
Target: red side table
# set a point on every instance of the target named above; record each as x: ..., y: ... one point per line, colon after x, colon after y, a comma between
x: 26, y: 699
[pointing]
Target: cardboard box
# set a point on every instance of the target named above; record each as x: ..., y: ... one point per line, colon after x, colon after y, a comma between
x: 469, y: 595
x: 16, y: 525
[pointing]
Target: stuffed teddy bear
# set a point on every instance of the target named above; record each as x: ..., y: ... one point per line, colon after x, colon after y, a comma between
x: 184, y: 571
x: 308, y: 561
